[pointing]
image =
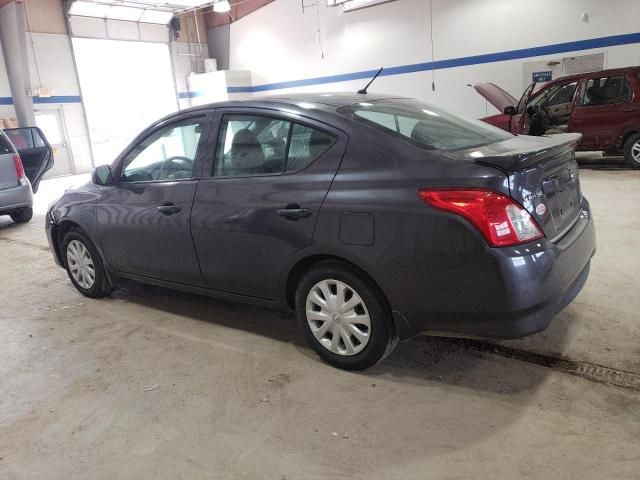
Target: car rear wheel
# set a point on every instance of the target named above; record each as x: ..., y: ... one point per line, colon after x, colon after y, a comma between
x: 22, y: 216
x: 84, y: 265
x: 345, y: 317
x: 632, y: 150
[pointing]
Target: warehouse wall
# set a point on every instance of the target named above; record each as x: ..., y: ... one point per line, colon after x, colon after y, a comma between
x: 398, y: 34
x: 51, y: 65
x: 6, y: 109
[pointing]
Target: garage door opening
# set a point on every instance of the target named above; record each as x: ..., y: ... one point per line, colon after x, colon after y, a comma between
x: 125, y: 87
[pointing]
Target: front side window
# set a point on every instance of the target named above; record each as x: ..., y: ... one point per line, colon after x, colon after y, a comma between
x: 424, y: 125
x: 166, y: 155
x: 606, y: 91
x: 563, y: 95
x: 262, y: 145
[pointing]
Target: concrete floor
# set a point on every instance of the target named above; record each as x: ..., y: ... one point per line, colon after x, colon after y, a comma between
x: 156, y: 384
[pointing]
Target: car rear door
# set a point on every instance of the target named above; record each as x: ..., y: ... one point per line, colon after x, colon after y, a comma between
x: 34, y: 150
x: 144, y: 216
x: 604, y: 110
x: 8, y: 175
x: 260, y: 195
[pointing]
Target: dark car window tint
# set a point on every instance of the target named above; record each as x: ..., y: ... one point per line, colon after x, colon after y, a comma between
x: 307, y: 144
x: 21, y: 137
x: 251, y: 145
x: 5, y: 145
x: 168, y: 154
x: 263, y: 145
x: 424, y: 125
x: 563, y: 95
x: 606, y: 91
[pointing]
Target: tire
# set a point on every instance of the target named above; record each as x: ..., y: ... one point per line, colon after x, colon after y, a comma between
x: 348, y: 287
x: 22, y: 216
x: 631, y: 150
x: 79, y: 251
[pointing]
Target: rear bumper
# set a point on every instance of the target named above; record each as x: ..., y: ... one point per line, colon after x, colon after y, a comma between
x: 516, y: 293
x: 15, y: 198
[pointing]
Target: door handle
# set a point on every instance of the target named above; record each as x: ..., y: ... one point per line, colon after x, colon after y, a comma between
x: 630, y: 109
x: 168, y: 208
x: 294, y: 212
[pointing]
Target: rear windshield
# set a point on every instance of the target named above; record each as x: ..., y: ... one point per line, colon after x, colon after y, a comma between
x: 425, y: 125
x: 5, y: 145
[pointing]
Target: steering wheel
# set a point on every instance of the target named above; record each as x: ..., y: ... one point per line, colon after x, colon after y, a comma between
x: 539, y: 119
x: 177, y: 163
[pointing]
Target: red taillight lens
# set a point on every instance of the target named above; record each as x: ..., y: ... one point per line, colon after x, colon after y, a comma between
x: 498, y: 217
x: 17, y: 162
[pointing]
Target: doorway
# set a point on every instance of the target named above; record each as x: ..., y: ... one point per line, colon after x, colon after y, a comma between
x: 50, y: 121
x: 126, y: 85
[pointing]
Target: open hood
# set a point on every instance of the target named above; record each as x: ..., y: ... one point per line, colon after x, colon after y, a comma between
x: 495, y: 95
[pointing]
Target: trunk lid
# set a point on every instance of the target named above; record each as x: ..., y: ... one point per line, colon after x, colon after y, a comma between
x: 543, y: 177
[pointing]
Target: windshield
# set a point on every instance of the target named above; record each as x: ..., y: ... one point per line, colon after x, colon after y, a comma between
x: 424, y: 125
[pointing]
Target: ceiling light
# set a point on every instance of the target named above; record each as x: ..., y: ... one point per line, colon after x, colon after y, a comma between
x: 221, y: 6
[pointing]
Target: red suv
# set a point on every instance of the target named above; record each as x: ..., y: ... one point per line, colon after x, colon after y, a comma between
x: 603, y: 106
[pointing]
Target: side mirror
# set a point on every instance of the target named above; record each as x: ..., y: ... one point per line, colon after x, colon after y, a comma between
x: 102, y: 175
x: 510, y: 110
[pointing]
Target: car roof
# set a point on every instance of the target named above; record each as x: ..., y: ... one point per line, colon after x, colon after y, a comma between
x: 323, y: 105
x: 599, y: 73
x: 328, y: 100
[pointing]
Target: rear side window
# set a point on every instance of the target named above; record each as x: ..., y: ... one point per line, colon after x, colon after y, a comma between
x: 25, y: 138
x: 262, y: 145
x: 424, y: 125
x: 606, y: 91
x: 5, y: 145
x: 306, y: 145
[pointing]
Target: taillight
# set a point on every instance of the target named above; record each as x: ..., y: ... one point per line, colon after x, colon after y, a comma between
x: 17, y: 162
x: 499, y: 218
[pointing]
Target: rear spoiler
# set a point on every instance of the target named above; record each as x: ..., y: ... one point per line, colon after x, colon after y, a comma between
x: 520, y: 158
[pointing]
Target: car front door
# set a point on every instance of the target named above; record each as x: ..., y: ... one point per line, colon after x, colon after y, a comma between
x: 604, y: 110
x: 560, y: 103
x: 144, y: 216
x: 268, y: 175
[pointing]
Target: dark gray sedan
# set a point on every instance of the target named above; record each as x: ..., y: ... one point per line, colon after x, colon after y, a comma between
x: 375, y: 218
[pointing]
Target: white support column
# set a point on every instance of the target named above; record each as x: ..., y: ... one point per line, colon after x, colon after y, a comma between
x: 14, y: 48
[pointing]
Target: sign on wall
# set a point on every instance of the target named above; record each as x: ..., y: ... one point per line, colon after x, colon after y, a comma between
x: 545, y: 76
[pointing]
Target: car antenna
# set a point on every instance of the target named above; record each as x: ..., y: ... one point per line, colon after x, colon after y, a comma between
x: 364, y: 90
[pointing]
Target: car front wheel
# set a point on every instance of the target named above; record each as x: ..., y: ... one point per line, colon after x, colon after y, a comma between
x: 632, y: 150
x: 345, y: 317
x: 84, y: 265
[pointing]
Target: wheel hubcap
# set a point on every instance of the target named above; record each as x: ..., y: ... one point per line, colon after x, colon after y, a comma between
x: 635, y: 151
x: 81, y: 264
x: 338, y: 317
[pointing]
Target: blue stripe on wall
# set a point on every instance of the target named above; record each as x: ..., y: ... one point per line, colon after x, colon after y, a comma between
x: 58, y: 99
x: 55, y: 99
x: 189, y: 94
x: 601, y: 42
